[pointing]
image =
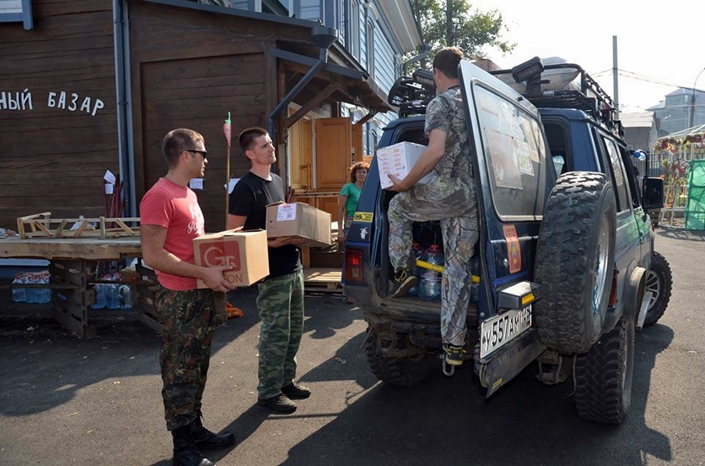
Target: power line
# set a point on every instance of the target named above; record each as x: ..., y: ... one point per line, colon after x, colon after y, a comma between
x: 640, y: 77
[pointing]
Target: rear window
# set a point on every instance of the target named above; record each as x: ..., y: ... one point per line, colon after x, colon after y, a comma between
x: 515, y: 153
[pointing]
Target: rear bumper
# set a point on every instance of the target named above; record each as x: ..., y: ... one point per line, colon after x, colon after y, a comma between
x: 511, y: 360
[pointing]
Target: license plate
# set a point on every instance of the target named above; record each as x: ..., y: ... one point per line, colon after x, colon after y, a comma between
x: 500, y: 330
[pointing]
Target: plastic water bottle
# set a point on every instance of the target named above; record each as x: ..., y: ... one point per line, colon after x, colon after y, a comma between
x: 418, y: 254
x: 430, y: 287
x: 112, y: 298
x: 32, y: 293
x: 19, y: 295
x: 42, y: 295
x: 100, y: 291
x: 125, y: 297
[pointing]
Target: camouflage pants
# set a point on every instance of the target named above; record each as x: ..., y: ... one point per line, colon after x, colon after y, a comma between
x: 188, y: 321
x: 280, y: 303
x: 455, y: 205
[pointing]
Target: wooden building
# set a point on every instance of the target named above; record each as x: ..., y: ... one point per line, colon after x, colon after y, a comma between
x: 94, y: 85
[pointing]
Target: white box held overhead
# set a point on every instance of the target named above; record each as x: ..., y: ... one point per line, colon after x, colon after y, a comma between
x: 398, y: 160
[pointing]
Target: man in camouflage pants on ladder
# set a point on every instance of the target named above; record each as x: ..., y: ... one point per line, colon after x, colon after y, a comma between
x: 450, y: 197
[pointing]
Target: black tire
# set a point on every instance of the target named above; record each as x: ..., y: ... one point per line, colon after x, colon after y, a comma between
x: 659, y: 282
x: 603, y: 376
x: 404, y: 371
x: 575, y: 261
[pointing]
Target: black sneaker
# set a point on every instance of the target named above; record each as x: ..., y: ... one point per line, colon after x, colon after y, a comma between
x: 294, y: 391
x: 454, y: 354
x: 280, y: 403
x: 403, y: 282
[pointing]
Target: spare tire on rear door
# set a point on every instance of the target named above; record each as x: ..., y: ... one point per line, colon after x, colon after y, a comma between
x: 575, y: 261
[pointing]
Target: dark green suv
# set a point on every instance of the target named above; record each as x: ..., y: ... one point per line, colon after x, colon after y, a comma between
x: 566, y: 247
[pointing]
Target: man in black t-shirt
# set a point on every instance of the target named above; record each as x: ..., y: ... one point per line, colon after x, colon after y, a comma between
x: 281, y: 295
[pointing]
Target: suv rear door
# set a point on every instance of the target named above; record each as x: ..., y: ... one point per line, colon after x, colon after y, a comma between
x: 514, y: 177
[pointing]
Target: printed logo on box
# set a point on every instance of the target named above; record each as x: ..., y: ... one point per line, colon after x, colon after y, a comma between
x: 286, y: 213
x: 221, y: 253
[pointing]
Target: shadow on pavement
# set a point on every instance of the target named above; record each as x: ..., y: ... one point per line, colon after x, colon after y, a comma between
x: 680, y: 233
x: 44, y: 364
x: 448, y: 420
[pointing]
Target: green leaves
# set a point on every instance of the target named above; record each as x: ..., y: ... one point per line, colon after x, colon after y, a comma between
x: 455, y: 23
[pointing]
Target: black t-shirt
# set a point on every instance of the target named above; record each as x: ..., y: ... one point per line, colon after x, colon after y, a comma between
x: 250, y: 199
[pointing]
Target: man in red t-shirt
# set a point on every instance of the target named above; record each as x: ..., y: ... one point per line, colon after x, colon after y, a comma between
x: 170, y: 219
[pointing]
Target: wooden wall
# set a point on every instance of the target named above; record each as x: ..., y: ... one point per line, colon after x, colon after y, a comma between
x: 190, y: 68
x: 54, y: 153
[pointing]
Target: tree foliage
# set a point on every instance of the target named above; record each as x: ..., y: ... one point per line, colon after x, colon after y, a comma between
x: 452, y: 23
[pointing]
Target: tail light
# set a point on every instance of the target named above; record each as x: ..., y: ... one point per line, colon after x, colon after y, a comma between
x: 353, y: 265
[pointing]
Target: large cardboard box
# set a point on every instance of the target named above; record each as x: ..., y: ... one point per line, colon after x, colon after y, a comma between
x: 398, y: 160
x: 246, y: 251
x: 300, y: 220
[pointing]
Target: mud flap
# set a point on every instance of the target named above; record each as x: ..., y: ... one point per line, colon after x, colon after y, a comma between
x: 643, y: 310
x: 510, y: 362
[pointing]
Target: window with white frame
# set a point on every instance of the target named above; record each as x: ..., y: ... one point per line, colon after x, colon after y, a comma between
x: 355, y: 27
x: 17, y: 11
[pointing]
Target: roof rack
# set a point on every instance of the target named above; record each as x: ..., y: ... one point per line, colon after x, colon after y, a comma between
x: 412, y: 94
x: 559, y: 85
x: 565, y: 85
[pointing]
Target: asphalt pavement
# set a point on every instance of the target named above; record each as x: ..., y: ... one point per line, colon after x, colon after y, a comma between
x: 67, y: 401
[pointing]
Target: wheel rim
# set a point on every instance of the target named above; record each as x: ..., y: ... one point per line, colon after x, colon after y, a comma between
x: 653, y: 284
x: 601, y: 267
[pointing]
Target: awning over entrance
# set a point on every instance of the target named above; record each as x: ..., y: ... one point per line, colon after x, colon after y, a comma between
x: 333, y: 82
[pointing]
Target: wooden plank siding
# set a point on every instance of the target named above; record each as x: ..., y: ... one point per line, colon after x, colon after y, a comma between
x: 53, y: 157
x: 188, y: 70
x: 170, y: 101
x: 188, y: 67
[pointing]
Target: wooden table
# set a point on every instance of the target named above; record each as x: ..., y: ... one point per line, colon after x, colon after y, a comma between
x: 72, y: 264
x: 92, y: 249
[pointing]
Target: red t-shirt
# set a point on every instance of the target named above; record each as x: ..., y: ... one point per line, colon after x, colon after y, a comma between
x: 175, y: 208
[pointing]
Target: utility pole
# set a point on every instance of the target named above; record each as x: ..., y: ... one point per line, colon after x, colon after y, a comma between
x: 692, y: 101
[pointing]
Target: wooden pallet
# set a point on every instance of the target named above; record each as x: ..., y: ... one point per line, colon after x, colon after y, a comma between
x: 322, y: 279
x: 43, y: 226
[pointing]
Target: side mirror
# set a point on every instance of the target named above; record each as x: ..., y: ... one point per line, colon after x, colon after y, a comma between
x: 653, y: 193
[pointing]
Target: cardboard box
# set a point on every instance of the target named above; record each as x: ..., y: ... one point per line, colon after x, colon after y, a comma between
x: 300, y: 220
x: 246, y: 251
x: 398, y: 160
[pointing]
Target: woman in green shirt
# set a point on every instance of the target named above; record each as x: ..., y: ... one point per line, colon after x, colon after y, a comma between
x: 347, y: 204
x: 349, y: 195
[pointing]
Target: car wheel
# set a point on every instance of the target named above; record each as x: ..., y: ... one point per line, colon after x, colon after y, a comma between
x: 405, y: 371
x: 659, y: 283
x: 603, y: 376
x: 575, y: 261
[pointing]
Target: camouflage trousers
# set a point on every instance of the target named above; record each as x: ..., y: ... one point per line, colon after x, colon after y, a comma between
x: 188, y: 321
x: 280, y: 303
x: 455, y: 205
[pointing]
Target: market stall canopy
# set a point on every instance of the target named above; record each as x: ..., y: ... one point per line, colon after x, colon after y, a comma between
x: 674, y: 142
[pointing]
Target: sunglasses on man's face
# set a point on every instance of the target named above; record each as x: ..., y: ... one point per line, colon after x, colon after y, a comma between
x: 202, y: 152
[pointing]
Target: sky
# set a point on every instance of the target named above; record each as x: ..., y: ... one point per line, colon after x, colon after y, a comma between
x: 660, y: 45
